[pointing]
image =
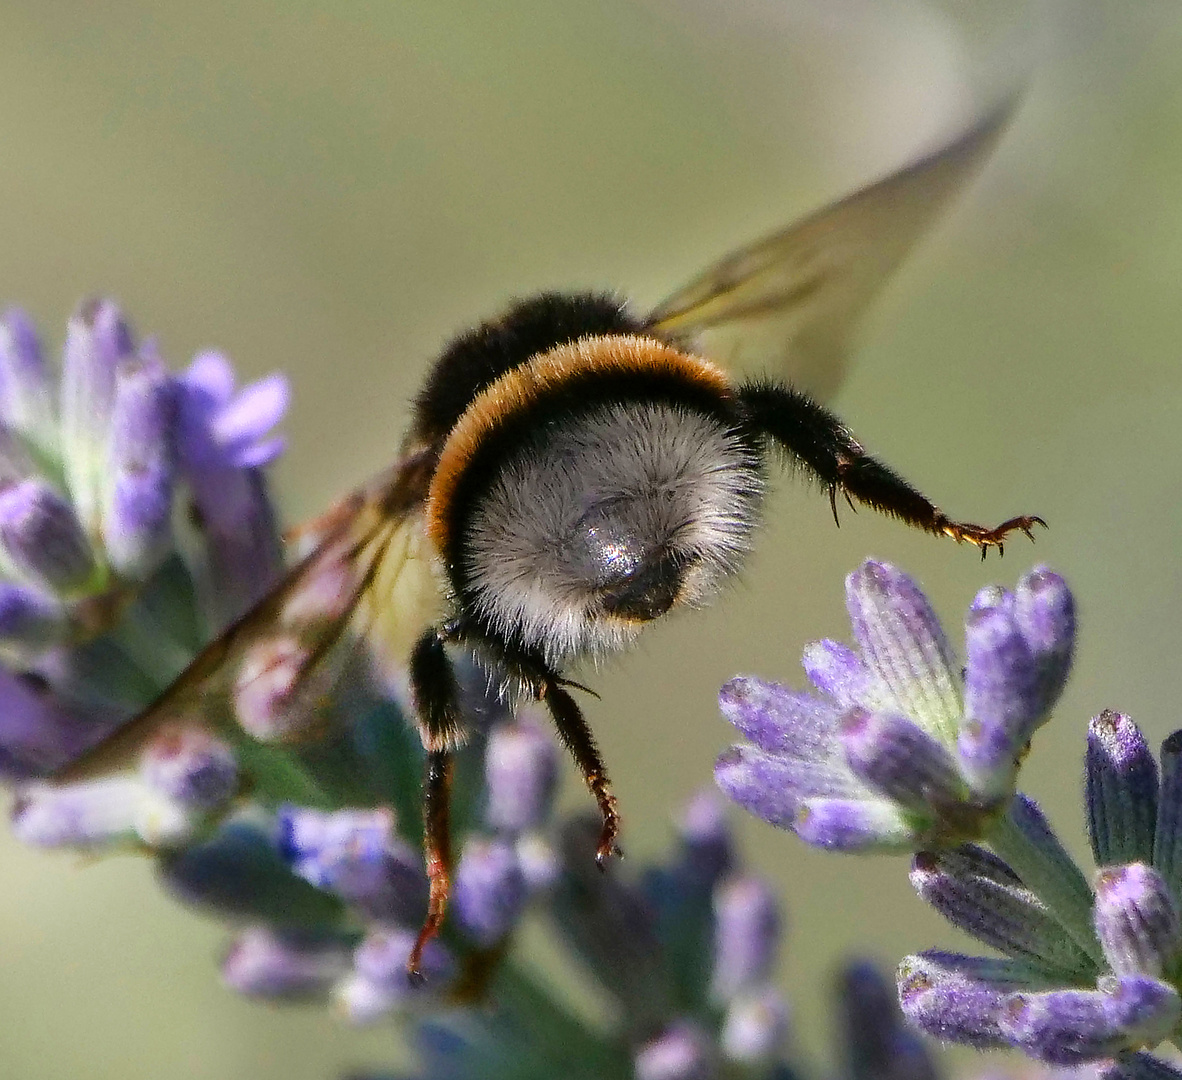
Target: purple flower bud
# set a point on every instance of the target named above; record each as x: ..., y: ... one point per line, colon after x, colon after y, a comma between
x: 838, y: 671
x: 490, y: 890
x: 901, y: 760
x: 25, y: 401
x: 539, y: 862
x: 92, y: 814
x: 772, y: 787
x: 30, y: 620
x: 221, y: 444
x: 1068, y: 1027
x: 379, y: 983
x: 521, y: 773
x: 1136, y: 1066
x: 746, y: 936
x: 680, y: 1052
x: 876, y: 1043
x: 39, y: 733
x: 43, y: 540
x: 191, y: 768
x: 137, y: 516
x: 272, y: 700
x: 904, y: 645
x: 856, y: 825
x: 755, y: 1029
x: 707, y: 847
x: 1044, y: 611
x: 978, y: 893
x: 356, y: 854
x: 1002, y: 704
x: 780, y: 720
x: 958, y: 998
x: 284, y: 965
x: 1122, y: 786
x: 97, y: 343
x: 1167, y: 837
x: 1136, y: 920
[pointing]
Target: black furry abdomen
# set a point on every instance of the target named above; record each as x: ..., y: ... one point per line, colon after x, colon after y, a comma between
x: 478, y: 357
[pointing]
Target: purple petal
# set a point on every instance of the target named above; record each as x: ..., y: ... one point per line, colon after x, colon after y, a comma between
x: 42, y: 538
x: 901, y: 760
x: 904, y: 645
x: 355, y: 854
x: 1069, y: 1027
x: 250, y: 415
x: 781, y: 720
x: 855, y: 825
x: 284, y: 964
x: 1044, y: 610
x: 772, y: 787
x: 521, y: 775
x: 746, y: 936
x: 1136, y: 920
x: 490, y: 891
x: 191, y: 767
x: 211, y: 375
x: 957, y: 998
x: 1002, y: 704
x: 838, y: 671
x: 1121, y: 793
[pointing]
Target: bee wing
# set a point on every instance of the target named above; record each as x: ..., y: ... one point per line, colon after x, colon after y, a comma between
x: 789, y: 302
x: 371, y: 578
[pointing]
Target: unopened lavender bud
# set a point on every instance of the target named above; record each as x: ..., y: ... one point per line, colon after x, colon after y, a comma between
x: 356, y: 854
x: 539, y: 862
x: 521, y: 773
x: 876, y: 1043
x: 490, y: 890
x: 91, y: 814
x: 272, y: 700
x: 978, y: 893
x: 29, y: 618
x: 1001, y: 703
x: 98, y: 341
x: 284, y: 965
x: 778, y: 719
x: 901, y: 760
x: 746, y: 936
x: 755, y: 1029
x: 379, y: 983
x: 680, y: 1052
x: 1071, y: 1027
x: 837, y: 671
x: 855, y: 825
x: 1121, y: 790
x: 190, y: 767
x: 25, y: 402
x: 1136, y: 1066
x: 956, y: 998
x: 1044, y: 611
x: 904, y: 644
x: 1136, y: 920
x: 137, y: 513
x: 707, y: 846
x: 39, y: 732
x: 42, y: 539
x: 1167, y: 837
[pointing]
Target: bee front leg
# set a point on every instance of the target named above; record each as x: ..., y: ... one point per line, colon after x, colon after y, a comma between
x: 436, y: 697
x: 817, y: 440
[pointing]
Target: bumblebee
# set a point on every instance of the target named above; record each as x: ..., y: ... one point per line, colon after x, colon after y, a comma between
x: 574, y: 471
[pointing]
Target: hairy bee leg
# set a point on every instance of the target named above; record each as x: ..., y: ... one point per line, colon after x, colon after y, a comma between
x: 437, y: 847
x: 577, y: 738
x: 816, y: 439
x: 436, y: 696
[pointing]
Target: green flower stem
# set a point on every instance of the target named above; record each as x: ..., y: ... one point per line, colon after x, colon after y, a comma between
x: 1049, y: 872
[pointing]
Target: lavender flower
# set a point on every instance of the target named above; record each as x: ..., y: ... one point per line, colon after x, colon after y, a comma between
x: 902, y: 753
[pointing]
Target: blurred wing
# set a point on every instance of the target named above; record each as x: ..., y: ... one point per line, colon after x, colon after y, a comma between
x: 371, y: 578
x: 788, y: 304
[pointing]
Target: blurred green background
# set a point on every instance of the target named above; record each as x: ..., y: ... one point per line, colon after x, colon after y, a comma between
x: 332, y: 189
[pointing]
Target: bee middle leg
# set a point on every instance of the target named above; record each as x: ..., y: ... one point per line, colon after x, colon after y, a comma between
x: 436, y: 697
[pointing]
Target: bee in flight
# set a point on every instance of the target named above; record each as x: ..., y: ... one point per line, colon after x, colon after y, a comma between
x: 572, y: 472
